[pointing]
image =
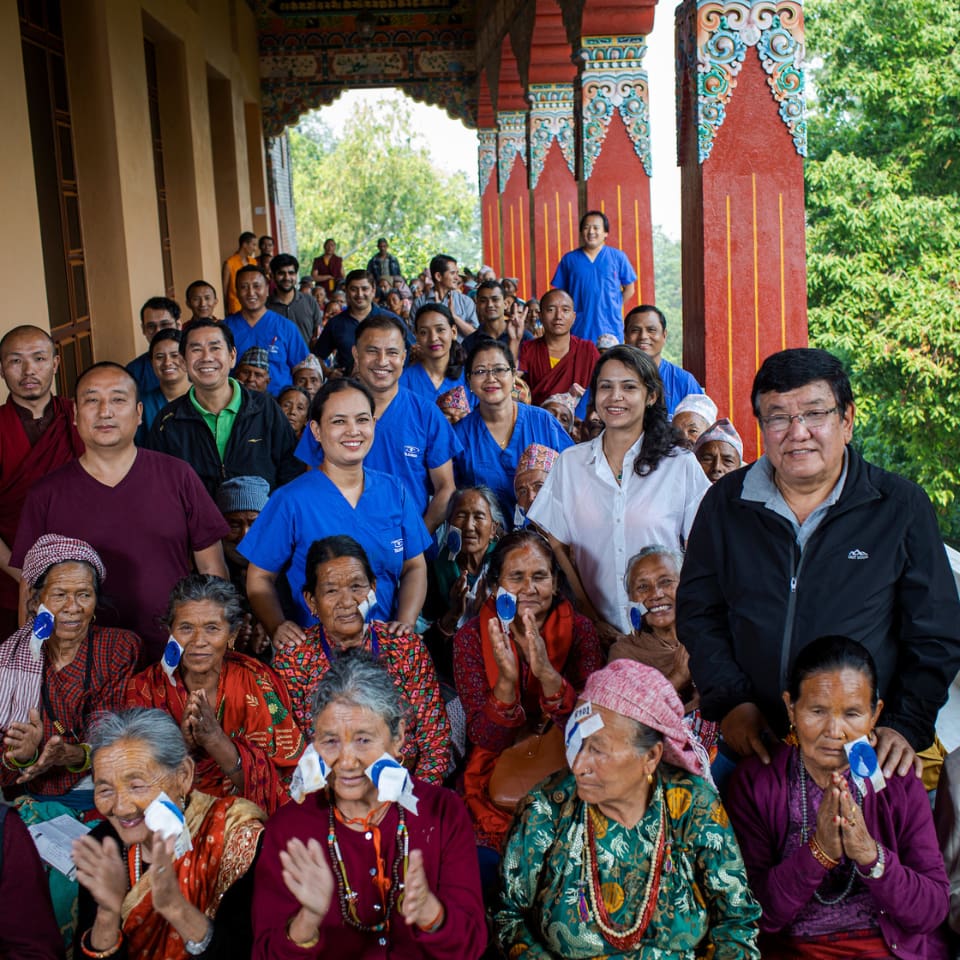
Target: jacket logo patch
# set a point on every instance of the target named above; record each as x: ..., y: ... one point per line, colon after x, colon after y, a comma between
x: 858, y: 555
x: 255, y: 440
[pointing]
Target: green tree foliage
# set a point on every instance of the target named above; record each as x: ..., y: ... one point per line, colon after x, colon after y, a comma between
x: 666, y: 280
x: 883, y: 236
x: 377, y: 179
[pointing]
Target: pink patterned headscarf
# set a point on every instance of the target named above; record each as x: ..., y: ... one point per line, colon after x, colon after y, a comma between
x: 52, y: 548
x: 644, y: 694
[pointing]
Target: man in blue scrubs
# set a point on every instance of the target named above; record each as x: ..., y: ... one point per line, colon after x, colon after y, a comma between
x: 646, y: 329
x: 599, y: 278
x: 256, y: 326
x: 413, y: 441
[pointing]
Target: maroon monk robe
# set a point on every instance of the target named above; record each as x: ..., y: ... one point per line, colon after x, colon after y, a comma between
x: 576, y: 367
x: 21, y: 465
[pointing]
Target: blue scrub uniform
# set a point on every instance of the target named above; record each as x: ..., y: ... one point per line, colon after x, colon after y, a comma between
x: 411, y: 439
x: 417, y: 380
x: 384, y: 522
x: 677, y: 383
x: 595, y: 287
x: 484, y: 462
x: 279, y: 336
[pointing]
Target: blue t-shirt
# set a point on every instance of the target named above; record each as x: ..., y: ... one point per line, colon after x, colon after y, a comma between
x: 141, y: 370
x: 384, y: 522
x: 595, y: 287
x: 416, y: 379
x: 482, y: 460
x: 277, y: 335
x: 677, y: 383
x: 411, y: 439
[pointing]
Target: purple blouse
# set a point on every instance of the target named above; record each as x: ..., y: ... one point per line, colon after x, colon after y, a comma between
x: 910, y: 900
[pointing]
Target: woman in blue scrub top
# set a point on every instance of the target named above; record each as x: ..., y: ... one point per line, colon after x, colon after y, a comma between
x: 339, y: 497
x: 439, y: 364
x: 499, y: 429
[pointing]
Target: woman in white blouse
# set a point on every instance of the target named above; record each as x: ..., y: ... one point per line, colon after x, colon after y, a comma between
x: 633, y: 485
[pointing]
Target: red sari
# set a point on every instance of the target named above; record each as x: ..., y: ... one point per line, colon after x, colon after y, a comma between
x: 254, y: 709
x: 574, y: 651
x: 225, y: 834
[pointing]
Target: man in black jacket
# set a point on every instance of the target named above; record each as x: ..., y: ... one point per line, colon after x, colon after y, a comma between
x: 218, y: 426
x: 812, y: 541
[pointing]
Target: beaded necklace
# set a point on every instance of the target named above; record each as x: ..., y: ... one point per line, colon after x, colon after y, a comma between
x: 621, y: 937
x: 805, y: 830
x: 133, y: 865
x: 348, y: 896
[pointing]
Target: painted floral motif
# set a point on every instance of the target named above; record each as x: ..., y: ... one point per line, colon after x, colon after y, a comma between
x: 551, y: 118
x: 724, y: 32
x: 511, y: 142
x: 613, y: 79
x: 486, y: 156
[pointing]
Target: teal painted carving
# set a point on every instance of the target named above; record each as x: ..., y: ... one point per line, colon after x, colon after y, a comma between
x: 511, y: 141
x: 486, y: 157
x: 551, y: 118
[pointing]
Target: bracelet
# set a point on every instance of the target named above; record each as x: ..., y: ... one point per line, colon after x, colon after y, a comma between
x: 11, y: 763
x: 435, y: 924
x: 85, y: 763
x: 197, y: 947
x: 88, y: 950
x: 237, y: 767
x: 302, y: 944
x: 821, y: 856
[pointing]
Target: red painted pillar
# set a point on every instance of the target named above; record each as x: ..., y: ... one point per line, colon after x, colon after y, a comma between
x: 741, y: 141
x: 554, y: 198
x: 615, y: 137
x: 512, y: 170
x: 486, y: 168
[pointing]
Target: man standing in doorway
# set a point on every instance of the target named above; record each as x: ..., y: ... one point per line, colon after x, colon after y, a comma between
x: 600, y: 279
x: 246, y: 254
x: 37, y: 436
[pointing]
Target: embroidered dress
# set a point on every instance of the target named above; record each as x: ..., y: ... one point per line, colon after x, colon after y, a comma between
x: 426, y: 749
x: 702, y: 905
x: 254, y: 709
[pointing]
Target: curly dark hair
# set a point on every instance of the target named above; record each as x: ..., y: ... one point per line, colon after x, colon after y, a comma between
x: 659, y: 439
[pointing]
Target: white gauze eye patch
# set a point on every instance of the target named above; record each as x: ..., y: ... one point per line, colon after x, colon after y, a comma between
x: 582, y: 723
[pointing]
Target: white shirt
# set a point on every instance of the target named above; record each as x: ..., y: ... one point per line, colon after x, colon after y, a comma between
x: 606, y: 523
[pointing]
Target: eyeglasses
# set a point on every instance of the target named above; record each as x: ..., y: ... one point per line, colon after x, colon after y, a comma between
x: 484, y: 372
x: 812, y: 419
x: 644, y: 588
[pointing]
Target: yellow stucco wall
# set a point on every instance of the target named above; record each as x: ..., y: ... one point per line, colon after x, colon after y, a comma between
x: 103, y: 41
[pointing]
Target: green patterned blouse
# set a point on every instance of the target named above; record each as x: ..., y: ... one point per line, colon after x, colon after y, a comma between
x: 704, y: 906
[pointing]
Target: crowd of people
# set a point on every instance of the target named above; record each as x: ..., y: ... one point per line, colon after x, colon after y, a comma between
x: 409, y: 617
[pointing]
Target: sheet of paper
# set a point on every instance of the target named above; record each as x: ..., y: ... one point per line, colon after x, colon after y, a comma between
x: 54, y: 842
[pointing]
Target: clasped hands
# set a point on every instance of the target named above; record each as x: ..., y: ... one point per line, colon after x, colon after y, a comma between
x: 840, y: 825
x: 529, y: 642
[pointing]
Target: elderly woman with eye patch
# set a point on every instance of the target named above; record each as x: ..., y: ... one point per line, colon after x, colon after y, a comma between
x: 146, y: 895
x: 629, y: 853
x: 234, y: 712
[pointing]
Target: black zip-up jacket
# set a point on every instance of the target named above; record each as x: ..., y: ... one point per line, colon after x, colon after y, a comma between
x: 261, y: 442
x: 874, y: 570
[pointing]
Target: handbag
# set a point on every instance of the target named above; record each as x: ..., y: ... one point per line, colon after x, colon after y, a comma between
x: 521, y: 767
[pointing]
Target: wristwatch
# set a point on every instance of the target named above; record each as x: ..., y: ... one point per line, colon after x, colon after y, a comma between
x: 876, y: 871
x: 198, y: 947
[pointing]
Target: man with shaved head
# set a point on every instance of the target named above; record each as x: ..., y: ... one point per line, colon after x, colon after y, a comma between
x: 37, y: 435
x: 146, y: 513
x: 557, y: 360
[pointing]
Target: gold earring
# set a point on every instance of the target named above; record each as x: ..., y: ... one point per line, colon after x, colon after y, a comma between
x: 791, y: 738
x: 649, y: 778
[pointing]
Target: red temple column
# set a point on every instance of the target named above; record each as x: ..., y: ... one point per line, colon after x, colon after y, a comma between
x: 741, y: 143
x: 552, y: 145
x: 512, y: 170
x: 487, y: 187
x: 615, y: 128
